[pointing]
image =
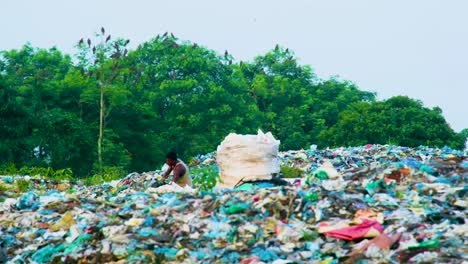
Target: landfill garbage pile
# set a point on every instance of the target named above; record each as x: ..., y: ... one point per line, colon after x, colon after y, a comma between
x: 374, y: 204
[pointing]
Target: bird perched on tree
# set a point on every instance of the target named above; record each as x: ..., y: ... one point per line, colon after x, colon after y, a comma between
x: 226, y: 53
x: 287, y: 50
x: 108, y: 38
x: 165, y: 34
x: 194, y: 45
x: 276, y: 47
x: 172, y: 35
x: 102, y: 30
x: 125, y: 52
x: 94, y: 50
x: 80, y: 42
x: 89, y: 43
x: 126, y: 42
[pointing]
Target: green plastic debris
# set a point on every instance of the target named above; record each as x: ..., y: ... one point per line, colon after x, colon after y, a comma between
x: 237, y: 208
x: 45, y: 254
x: 72, y: 247
x: 427, y: 169
x: 312, y: 197
x: 246, y: 187
x: 429, y: 244
x: 232, y: 234
x: 309, y: 235
x: 320, y: 174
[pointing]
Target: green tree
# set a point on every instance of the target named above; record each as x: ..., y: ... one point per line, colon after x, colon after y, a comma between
x: 15, y: 124
x: 101, y: 59
x: 196, y: 95
x: 68, y: 141
x: 399, y: 121
x: 31, y: 77
x: 294, y: 104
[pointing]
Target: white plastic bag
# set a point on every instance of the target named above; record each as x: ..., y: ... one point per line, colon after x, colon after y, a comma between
x: 247, y: 157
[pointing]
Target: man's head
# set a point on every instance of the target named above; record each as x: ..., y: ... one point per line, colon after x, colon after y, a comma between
x: 171, y: 158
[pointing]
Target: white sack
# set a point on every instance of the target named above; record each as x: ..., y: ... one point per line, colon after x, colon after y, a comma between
x: 247, y: 157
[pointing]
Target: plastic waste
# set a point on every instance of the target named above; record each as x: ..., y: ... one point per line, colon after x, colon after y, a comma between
x: 414, y: 214
x: 346, y: 231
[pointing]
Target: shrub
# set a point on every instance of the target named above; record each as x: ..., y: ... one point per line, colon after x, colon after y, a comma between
x: 64, y: 174
x: 5, y: 187
x: 113, y: 173
x: 205, y: 178
x: 291, y: 172
x: 22, y: 185
x: 8, y: 169
x: 109, y: 174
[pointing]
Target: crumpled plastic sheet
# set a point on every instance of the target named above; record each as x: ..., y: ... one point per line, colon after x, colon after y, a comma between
x: 419, y: 192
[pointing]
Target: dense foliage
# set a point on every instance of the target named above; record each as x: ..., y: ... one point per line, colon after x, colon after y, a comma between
x: 173, y: 95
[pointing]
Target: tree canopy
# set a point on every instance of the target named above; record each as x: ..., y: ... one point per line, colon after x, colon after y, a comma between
x: 173, y: 95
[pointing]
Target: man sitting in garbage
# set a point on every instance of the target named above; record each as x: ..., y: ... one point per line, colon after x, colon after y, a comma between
x: 180, y: 170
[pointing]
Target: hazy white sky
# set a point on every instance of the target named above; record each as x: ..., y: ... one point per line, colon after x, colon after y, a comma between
x: 417, y: 48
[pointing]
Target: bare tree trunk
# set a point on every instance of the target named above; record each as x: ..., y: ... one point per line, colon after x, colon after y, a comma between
x: 101, y: 128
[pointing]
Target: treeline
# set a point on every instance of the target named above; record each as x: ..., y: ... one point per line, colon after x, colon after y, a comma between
x: 168, y: 94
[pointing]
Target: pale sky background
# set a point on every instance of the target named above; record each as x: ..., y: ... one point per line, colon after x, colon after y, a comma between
x: 417, y: 48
